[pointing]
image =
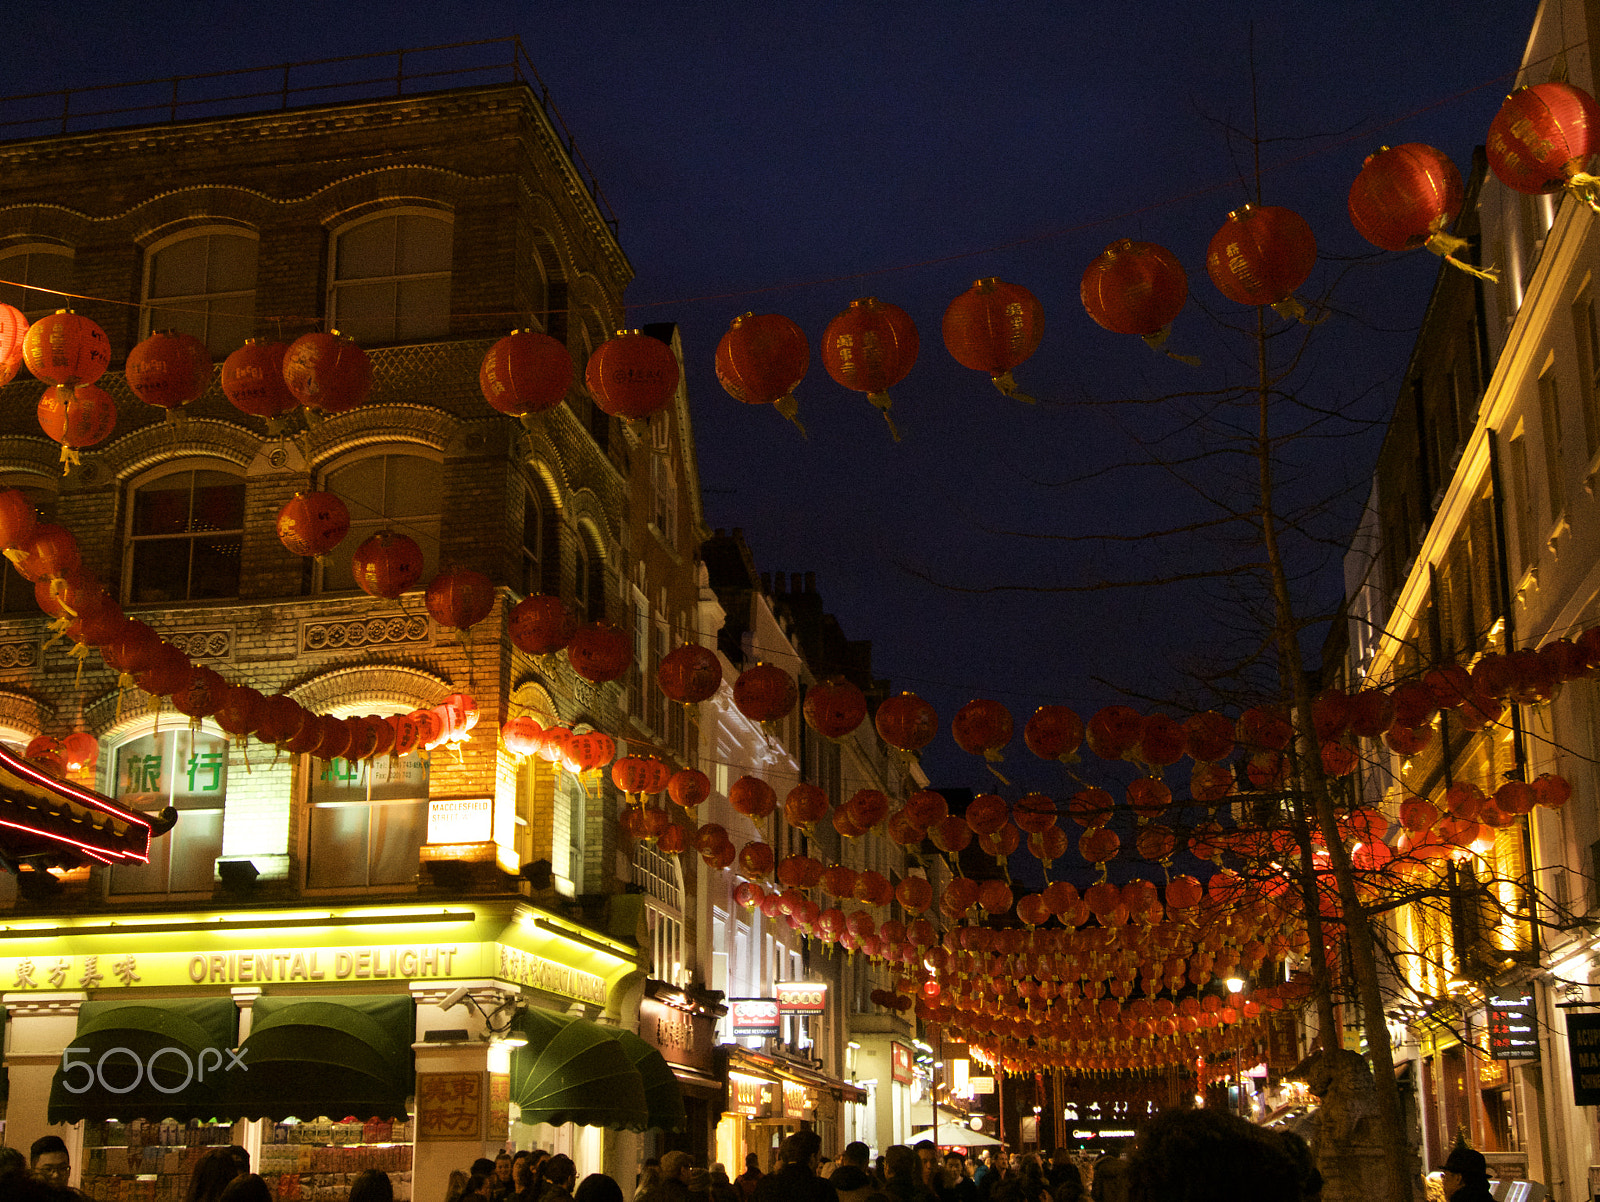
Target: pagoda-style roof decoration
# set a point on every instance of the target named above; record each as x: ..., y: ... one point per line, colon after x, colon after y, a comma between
x: 44, y: 816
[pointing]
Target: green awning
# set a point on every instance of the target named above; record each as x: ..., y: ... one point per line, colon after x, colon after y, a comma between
x: 663, y: 1099
x: 160, y: 1059
x: 309, y: 1058
x: 574, y: 1071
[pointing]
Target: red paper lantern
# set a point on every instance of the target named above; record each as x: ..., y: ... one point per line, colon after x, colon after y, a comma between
x: 76, y: 417
x: 334, y: 736
x: 1149, y: 796
x: 313, y: 523
x: 914, y: 893
x: 521, y: 736
x: 1134, y: 288
x: 525, y: 372
x: 240, y: 711
x: 688, y: 787
x: 459, y: 598
x: 907, y: 722
x: 202, y: 694
x: 633, y: 375
x: 1405, y: 196
x: 834, y: 708
x: 1054, y: 732
x: 592, y: 749
x: 994, y: 896
x: 166, y: 674
x: 867, y: 808
x: 870, y: 348
x: 48, y: 552
x: 599, y: 652
x: 752, y: 797
x: 44, y: 752
x: 1161, y: 741
x: 762, y: 359
x: 764, y: 693
x: 387, y: 564
x: 1542, y: 138
x: 994, y: 327
x: 982, y: 728
x: 1551, y: 791
x: 1099, y: 844
x: 640, y: 774
x: 689, y: 674
x: 80, y: 750
x: 13, y: 329
x: 327, y: 372
x: 1114, y: 731
x: 541, y: 624
x: 756, y: 860
x: 805, y: 805
x: 1261, y: 255
x: 169, y: 369
x: 1155, y: 842
x: 252, y: 380
x: 65, y: 348
x: 18, y: 517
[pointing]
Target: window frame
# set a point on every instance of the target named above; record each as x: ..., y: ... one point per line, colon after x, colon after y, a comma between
x: 333, y: 282
x: 130, y: 540
x: 24, y: 250
x: 149, y: 304
x: 363, y: 526
x: 108, y: 773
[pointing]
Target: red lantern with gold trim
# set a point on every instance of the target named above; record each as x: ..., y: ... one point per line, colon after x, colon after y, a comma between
x: 169, y: 369
x: 689, y: 674
x: 1405, y: 196
x: 688, y: 787
x: 48, y: 552
x: 762, y: 359
x: 982, y: 728
x: 313, y: 523
x: 870, y: 348
x: 327, y: 372
x: 387, y: 564
x: 1542, y: 138
x: 1261, y: 255
x: 805, y: 805
x: 638, y: 774
x: 65, y: 348
x: 76, y: 417
x: 1054, y: 732
x: 459, y: 598
x: 541, y: 624
x: 521, y: 735
x: 752, y: 797
x: 13, y: 329
x: 18, y: 517
x: 632, y: 376
x: 834, y: 708
x: 764, y: 693
x: 1135, y: 288
x: 994, y: 327
x: 525, y: 372
x: 592, y: 749
x: 599, y: 652
x: 907, y: 722
x: 252, y: 380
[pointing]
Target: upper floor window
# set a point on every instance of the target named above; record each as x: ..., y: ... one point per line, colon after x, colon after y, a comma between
x: 1550, y: 420
x: 403, y: 493
x: 28, y: 270
x: 661, y: 880
x: 184, y: 536
x: 188, y: 770
x: 532, y: 544
x: 203, y: 283
x: 391, y: 277
x: 588, y: 578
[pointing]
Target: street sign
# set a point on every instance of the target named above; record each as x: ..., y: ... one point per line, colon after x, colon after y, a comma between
x: 1583, y: 1039
x: 1513, y: 1026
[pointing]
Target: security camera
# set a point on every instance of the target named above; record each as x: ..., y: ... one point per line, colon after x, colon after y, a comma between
x: 454, y: 998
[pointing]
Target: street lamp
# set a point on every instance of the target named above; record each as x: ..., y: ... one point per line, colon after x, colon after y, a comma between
x: 1236, y: 987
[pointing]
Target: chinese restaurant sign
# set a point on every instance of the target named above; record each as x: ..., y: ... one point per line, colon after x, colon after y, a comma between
x: 754, y: 1016
x: 798, y: 997
x: 900, y: 1063
x: 1513, y: 1028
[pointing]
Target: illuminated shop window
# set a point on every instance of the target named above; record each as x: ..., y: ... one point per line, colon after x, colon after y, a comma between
x: 367, y: 821
x: 203, y: 283
x: 187, y: 770
x: 391, y: 278
x: 30, y: 269
x: 184, y: 535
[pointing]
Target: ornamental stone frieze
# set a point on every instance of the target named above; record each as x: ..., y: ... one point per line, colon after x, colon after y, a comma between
x: 330, y: 636
x: 203, y: 644
x: 19, y: 655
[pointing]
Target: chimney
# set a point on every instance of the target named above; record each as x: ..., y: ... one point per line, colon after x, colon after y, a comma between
x: 811, y: 582
x: 766, y: 583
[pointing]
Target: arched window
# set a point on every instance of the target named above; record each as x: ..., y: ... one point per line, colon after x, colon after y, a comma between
x: 532, y: 543
x: 588, y: 578
x: 187, y: 769
x: 203, y: 282
x: 400, y: 491
x: 184, y: 534
x: 29, y: 269
x: 367, y: 821
x: 391, y: 277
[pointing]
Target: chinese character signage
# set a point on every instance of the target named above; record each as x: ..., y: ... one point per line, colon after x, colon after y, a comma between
x: 900, y: 1063
x: 384, y: 778
x: 499, y: 1108
x: 754, y: 1016
x: 171, y: 765
x: 1583, y: 1036
x: 449, y: 1106
x: 798, y: 997
x: 1513, y: 1029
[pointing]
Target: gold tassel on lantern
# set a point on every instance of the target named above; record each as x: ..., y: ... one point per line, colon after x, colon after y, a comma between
x: 1007, y: 384
x: 1446, y: 245
x: 881, y: 402
x: 790, y: 408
